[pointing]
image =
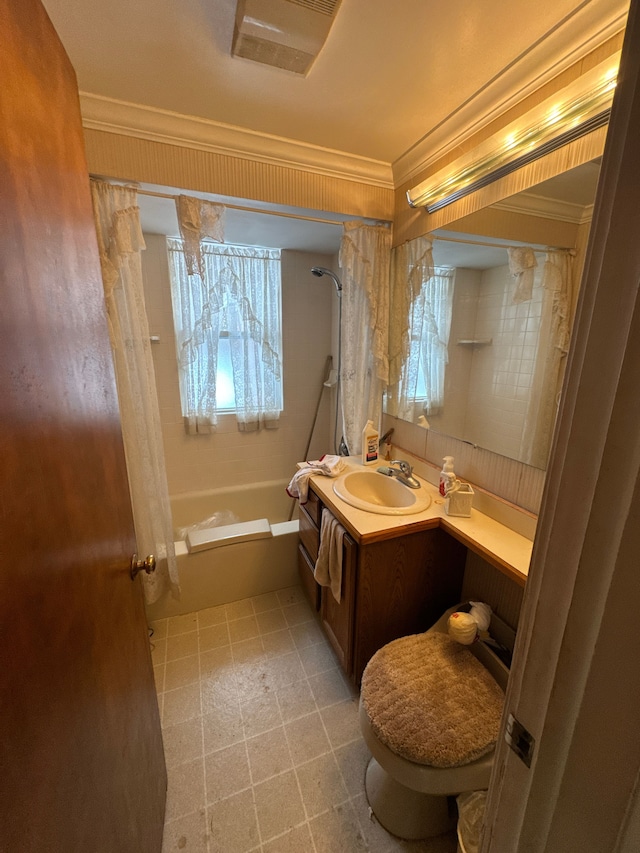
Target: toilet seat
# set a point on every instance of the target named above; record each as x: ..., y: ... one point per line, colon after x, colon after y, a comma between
x: 431, y: 701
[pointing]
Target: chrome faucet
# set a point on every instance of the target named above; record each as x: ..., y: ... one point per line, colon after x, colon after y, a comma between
x: 403, y: 473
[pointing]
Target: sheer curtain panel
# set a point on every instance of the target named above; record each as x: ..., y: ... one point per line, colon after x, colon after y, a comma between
x: 364, y: 261
x: 551, y: 358
x: 236, y: 301
x: 120, y: 243
x: 422, y: 300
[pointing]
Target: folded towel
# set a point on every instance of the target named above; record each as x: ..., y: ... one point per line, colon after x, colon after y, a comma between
x: 328, y: 569
x: 328, y: 465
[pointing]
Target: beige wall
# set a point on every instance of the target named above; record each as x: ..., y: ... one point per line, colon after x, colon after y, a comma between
x: 229, y: 457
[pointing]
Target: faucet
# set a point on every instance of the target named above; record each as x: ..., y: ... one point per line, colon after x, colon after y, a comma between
x: 403, y: 473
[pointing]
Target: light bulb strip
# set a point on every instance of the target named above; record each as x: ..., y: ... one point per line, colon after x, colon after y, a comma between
x: 555, y: 125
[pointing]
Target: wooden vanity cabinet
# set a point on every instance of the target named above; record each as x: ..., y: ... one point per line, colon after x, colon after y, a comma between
x: 390, y: 588
x: 403, y: 586
x: 338, y: 617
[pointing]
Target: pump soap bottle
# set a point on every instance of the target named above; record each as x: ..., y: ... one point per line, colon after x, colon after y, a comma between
x: 448, y: 480
x: 369, y: 444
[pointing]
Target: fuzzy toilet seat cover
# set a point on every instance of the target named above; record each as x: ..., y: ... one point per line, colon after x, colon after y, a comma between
x: 431, y: 701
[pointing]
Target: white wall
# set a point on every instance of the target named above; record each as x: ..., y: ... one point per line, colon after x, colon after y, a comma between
x: 229, y: 457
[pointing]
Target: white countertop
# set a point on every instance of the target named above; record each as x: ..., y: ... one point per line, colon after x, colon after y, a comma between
x: 507, y: 550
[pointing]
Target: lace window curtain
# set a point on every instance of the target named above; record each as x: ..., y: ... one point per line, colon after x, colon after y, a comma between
x: 364, y: 261
x: 239, y: 294
x: 120, y: 243
x: 553, y: 345
x: 419, y: 337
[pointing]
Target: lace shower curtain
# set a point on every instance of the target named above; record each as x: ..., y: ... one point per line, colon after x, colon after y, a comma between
x: 239, y: 295
x: 364, y: 261
x: 120, y: 243
x: 553, y: 345
x: 422, y: 298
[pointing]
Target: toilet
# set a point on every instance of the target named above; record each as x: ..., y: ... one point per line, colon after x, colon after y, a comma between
x: 430, y: 711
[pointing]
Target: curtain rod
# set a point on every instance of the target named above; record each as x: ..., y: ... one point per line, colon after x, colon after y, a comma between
x: 500, y: 245
x: 258, y: 210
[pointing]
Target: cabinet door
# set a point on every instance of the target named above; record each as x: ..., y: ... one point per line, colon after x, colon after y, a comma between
x: 404, y: 586
x: 337, y: 618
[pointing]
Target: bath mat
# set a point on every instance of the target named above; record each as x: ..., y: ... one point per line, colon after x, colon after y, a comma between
x: 431, y: 701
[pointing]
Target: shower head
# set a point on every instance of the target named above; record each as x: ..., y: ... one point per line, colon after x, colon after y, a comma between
x: 320, y: 271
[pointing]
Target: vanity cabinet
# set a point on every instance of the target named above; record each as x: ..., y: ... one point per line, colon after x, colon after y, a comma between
x: 390, y: 588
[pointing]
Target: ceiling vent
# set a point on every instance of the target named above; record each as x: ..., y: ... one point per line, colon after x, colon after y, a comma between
x: 286, y: 34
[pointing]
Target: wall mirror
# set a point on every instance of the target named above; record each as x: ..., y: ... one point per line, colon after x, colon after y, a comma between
x: 510, y: 318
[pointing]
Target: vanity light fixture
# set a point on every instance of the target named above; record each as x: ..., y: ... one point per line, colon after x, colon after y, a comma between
x: 577, y: 110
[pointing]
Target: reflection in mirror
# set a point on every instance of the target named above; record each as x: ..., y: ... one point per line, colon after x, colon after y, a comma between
x: 491, y: 303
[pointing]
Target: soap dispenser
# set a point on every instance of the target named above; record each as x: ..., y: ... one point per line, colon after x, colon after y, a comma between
x: 448, y: 480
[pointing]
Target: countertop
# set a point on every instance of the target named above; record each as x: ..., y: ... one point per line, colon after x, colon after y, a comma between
x: 500, y: 546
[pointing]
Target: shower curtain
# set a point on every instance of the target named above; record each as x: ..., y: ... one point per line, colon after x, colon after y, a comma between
x: 120, y: 243
x: 365, y: 253
x: 553, y: 345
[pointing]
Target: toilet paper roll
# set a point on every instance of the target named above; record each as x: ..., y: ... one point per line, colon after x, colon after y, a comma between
x: 463, y: 628
x: 481, y: 613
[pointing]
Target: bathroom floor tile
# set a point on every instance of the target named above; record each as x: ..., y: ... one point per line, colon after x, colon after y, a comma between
x: 307, y: 738
x: 185, y: 789
x: 181, y: 704
x: 227, y: 772
x: 179, y: 673
x: 261, y: 736
x: 321, y: 785
x: 279, y: 805
x: 268, y: 755
x: 187, y: 834
x: 232, y: 825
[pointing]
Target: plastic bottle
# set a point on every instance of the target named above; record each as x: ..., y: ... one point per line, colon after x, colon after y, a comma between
x: 448, y: 480
x: 369, y: 444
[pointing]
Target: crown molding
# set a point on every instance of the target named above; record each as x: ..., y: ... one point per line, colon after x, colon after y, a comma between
x: 535, y: 205
x: 127, y: 119
x: 569, y: 42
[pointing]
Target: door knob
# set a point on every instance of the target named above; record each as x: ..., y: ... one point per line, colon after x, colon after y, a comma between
x: 149, y: 565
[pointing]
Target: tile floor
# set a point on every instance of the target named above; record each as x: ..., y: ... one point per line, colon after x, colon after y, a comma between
x: 261, y: 737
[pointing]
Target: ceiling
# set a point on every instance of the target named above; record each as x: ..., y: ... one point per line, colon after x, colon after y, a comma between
x: 389, y: 78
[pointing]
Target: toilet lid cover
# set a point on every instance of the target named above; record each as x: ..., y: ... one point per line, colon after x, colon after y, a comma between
x: 431, y: 701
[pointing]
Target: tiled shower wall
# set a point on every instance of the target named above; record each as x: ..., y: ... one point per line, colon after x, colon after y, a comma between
x: 502, y: 371
x: 488, y: 383
x: 229, y: 457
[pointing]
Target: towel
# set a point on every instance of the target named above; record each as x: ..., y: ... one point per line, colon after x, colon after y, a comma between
x: 328, y: 570
x: 328, y: 465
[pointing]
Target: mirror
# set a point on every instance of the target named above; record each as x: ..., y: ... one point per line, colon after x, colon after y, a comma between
x: 507, y: 352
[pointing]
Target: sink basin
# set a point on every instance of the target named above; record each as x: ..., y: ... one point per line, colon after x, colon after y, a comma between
x: 379, y: 493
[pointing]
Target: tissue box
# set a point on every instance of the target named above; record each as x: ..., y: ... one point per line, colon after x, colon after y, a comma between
x: 459, y: 502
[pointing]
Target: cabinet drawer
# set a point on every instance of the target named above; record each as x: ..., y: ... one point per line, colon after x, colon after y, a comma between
x: 314, y: 508
x: 309, y: 534
x: 309, y: 585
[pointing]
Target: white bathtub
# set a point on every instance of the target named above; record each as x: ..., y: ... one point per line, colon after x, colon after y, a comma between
x: 239, y: 569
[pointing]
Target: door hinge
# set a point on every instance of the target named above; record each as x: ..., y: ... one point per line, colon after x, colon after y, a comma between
x: 520, y: 740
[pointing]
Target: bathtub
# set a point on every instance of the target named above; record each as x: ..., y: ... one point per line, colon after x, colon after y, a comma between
x: 233, y: 569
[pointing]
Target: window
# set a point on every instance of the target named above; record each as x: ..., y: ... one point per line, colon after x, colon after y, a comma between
x: 228, y: 335
x: 429, y: 328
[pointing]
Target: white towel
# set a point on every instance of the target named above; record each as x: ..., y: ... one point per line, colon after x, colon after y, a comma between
x: 328, y: 465
x: 328, y: 570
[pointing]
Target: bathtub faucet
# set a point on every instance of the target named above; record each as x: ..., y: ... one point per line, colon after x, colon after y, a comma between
x: 404, y: 473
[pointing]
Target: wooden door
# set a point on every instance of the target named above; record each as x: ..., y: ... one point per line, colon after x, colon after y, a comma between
x: 81, y: 762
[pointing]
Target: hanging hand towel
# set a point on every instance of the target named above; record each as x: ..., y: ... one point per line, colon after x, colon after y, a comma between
x: 328, y: 570
x: 328, y: 465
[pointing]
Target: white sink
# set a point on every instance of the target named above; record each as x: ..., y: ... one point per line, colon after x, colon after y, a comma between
x: 379, y: 493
